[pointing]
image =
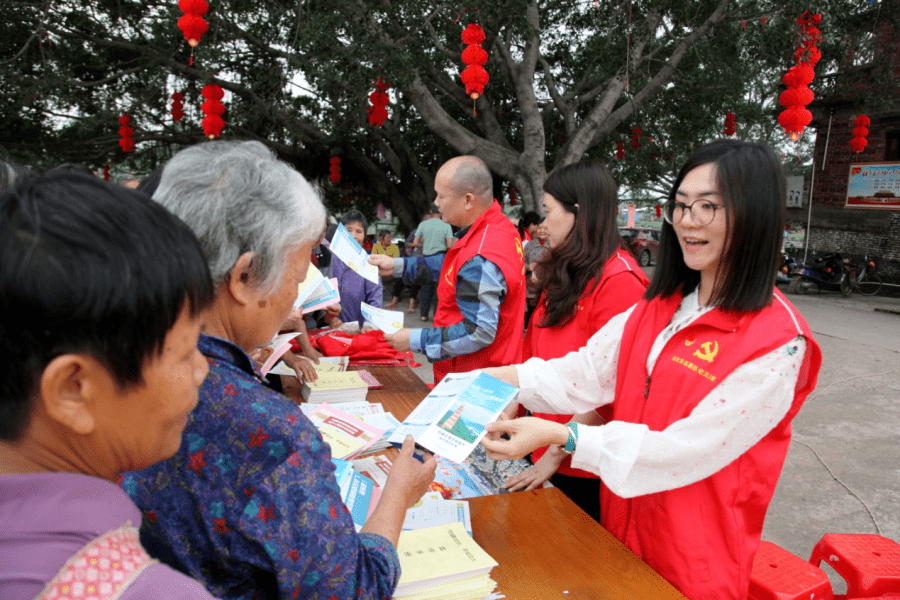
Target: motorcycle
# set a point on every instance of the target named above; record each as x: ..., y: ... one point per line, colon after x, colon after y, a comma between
x: 826, y: 272
x: 788, y: 263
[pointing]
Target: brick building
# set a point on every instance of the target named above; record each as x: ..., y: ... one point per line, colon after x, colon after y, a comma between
x: 866, y: 84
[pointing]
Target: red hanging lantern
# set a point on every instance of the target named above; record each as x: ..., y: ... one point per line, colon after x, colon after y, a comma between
x: 378, y: 111
x: 212, y: 123
x: 335, y: 170
x: 106, y: 172
x: 860, y: 131
x: 475, y: 76
x: 636, y: 138
x: 192, y: 24
x: 177, y: 106
x: 126, y: 141
x: 513, y: 196
x: 658, y: 210
x: 620, y: 150
x: 729, y: 125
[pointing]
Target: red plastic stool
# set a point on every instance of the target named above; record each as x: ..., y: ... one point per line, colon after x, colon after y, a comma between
x: 779, y: 575
x: 869, y: 563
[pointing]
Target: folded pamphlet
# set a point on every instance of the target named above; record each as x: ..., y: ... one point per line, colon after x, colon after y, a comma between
x: 450, y: 420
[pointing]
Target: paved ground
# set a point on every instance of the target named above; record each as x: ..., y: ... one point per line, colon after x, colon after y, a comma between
x: 842, y: 472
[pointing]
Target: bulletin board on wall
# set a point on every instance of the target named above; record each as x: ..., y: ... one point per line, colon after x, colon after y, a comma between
x: 874, y: 185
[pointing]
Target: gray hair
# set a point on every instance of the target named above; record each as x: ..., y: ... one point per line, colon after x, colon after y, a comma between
x: 238, y: 197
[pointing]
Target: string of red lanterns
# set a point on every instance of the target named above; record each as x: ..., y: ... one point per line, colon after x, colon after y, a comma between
x: 729, y: 124
x: 177, y: 106
x: 335, y: 170
x: 620, y: 150
x: 192, y: 24
x: 126, y: 141
x: 106, y: 169
x: 212, y: 123
x: 636, y: 138
x: 513, y: 196
x: 860, y: 131
x: 475, y: 76
x: 796, y: 117
x: 379, y: 98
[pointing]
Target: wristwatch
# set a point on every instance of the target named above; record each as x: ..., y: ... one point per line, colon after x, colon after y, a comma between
x: 573, y: 438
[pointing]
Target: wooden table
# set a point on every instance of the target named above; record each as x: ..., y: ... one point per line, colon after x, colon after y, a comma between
x: 546, y: 545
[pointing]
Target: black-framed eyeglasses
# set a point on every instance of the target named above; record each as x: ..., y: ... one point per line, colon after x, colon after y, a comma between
x: 702, y: 211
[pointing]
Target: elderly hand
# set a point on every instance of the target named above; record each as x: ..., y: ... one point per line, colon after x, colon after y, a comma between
x: 293, y: 321
x: 535, y: 476
x: 399, y: 339
x: 525, y: 435
x: 384, y: 263
x: 302, y: 366
x: 409, y: 477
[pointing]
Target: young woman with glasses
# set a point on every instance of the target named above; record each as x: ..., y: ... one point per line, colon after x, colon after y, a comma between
x: 704, y: 375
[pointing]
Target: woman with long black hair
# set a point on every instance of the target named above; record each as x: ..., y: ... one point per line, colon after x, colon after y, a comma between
x: 704, y: 375
x: 587, y: 278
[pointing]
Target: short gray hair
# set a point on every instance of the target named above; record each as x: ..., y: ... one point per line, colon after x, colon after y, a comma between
x: 238, y: 197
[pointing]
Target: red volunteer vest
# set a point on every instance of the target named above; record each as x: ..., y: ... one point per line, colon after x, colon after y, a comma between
x: 493, y: 237
x: 702, y: 537
x: 621, y: 285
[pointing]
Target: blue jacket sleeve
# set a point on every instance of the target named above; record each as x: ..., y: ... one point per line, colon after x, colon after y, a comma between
x: 298, y: 518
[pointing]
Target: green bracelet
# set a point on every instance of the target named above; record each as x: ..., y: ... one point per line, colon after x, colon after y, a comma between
x: 573, y: 437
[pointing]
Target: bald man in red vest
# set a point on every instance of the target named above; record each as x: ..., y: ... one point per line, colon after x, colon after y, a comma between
x: 481, y: 290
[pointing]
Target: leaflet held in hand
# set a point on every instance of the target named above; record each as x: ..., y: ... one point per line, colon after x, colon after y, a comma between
x: 450, y: 420
x: 348, y: 250
x: 273, y: 352
x: 388, y: 321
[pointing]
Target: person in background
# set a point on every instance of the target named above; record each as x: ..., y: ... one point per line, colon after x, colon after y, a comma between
x: 481, y: 291
x: 528, y: 226
x: 705, y: 375
x: 85, y: 397
x: 435, y: 237
x: 385, y: 245
x: 249, y: 504
x: 411, y: 249
x: 586, y: 278
x: 534, y: 253
x: 353, y: 287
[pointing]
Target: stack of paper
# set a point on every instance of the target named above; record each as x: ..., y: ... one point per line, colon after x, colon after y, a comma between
x: 442, y: 563
x: 370, y: 413
x: 428, y: 513
x: 359, y: 493
x: 335, y: 386
x: 346, y: 435
x: 375, y: 468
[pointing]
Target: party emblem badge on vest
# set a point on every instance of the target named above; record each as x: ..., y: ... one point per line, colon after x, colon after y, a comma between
x: 705, y: 351
x: 448, y: 277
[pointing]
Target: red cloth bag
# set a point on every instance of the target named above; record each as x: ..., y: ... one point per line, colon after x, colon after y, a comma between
x: 368, y: 349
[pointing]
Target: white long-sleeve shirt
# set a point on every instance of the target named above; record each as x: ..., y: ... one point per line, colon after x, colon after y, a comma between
x: 631, y: 459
